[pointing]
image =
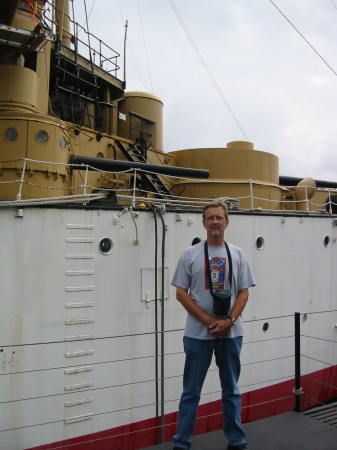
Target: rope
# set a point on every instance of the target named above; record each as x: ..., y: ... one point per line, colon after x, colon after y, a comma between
x: 314, y: 400
x: 321, y: 382
x: 298, y: 391
x: 52, y: 200
x: 166, y: 198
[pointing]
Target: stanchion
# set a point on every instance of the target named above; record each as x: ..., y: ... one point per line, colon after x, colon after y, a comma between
x: 297, y: 390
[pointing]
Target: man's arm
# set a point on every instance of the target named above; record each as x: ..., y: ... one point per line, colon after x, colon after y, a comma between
x: 192, y: 308
x: 240, y: 303
x: 221, y: 327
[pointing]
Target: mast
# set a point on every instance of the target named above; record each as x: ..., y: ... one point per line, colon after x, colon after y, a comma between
x: 63, y: 20
x: 125, y: 37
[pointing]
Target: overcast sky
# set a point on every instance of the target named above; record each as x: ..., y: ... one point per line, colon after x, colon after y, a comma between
x: 282, y: 93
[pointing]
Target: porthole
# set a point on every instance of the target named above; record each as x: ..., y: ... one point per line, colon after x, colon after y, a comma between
x: 42, y: 137
x: 260, y: 242
x: 304, y: 318
x: 327, y: 241
x: 11, y: 134
x: 196, y: 240
x: 265, y: 327
x: 106, y: 246
x: 63, y: 142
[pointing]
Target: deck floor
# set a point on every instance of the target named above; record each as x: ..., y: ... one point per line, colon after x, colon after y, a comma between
x: 290, y: 431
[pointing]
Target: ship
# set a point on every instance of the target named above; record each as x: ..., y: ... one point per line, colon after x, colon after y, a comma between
x: 94, y: 216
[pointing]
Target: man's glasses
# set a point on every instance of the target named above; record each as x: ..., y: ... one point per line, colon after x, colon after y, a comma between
x: 213, y: 218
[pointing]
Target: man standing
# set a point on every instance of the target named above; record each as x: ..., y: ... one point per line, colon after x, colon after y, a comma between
x: 206, y: 332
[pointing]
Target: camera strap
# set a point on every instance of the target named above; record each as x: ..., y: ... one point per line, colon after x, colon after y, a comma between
x: 209, y: 269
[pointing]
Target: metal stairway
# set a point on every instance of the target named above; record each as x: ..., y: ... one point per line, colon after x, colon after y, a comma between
x: 152, y: 181
x: 325, y: 413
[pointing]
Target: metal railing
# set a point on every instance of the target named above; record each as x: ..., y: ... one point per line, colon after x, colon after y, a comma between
x: 134, y: 194
x: 90, y: 48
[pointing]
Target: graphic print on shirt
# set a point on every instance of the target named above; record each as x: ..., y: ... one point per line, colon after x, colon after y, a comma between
x: 218, y: 273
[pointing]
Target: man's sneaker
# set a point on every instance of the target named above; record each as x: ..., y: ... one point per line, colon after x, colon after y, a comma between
x: 237, y: 447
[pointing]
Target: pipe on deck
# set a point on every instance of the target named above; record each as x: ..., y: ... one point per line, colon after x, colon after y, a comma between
x: 113, y: 165
x: 293, y: 181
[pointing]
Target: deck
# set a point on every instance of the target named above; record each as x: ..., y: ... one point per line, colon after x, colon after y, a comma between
x: 290, y: 431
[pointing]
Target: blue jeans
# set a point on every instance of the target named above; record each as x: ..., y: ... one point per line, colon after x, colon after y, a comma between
x: 198, y: 359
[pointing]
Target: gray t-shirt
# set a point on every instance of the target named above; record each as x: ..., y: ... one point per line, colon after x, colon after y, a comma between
x: 191, y: 274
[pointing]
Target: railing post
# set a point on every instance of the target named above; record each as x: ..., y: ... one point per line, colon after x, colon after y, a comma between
x: 251, y: 194
x: 298, y: 389
x: 306, y: 200
x: 85, y: 183
x: 18, y: 196
x: 134, y: 189
x: 330, y: 205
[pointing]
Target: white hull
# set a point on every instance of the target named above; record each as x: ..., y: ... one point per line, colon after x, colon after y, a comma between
x: 91, y: 343
x: 78, y: 336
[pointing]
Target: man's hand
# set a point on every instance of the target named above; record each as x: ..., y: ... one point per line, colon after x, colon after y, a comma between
x: 220, y: 327
x: 192, y: 308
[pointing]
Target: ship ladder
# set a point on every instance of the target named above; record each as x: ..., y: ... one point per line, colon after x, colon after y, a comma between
x: 151, y: 180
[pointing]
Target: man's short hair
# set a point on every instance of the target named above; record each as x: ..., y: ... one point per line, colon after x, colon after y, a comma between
x: 215, y: 203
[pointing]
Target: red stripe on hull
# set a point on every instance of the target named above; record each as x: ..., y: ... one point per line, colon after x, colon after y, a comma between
x: 259, y: 404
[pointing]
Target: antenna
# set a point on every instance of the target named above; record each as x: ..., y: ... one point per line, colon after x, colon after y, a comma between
x: 125, y: 37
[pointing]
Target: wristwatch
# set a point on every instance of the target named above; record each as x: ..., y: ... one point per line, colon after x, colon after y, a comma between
x: 232, y: 319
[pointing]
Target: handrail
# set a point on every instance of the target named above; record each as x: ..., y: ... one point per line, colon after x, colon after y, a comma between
x: 105, y: 53
x: 140, y: 194
x: 297, y: 389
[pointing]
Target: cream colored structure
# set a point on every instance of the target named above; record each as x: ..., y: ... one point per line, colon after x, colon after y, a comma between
x: 144, y: 112
x: 251, y: 176
x: 234, y: 170
x: 33, y: 166
x: 51, y: 110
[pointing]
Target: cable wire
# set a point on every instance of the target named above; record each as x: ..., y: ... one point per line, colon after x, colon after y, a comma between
x: 146, y: 55
x: 133, y: 56
x: 209, y: 73
x: 325, y: 62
